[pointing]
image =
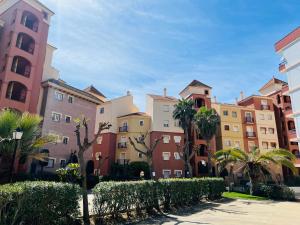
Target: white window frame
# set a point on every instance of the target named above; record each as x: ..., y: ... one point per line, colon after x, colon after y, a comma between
x: 60, y: 116
x: 177, y: 139
x: 262, y: 116
x: 236, y: 128
x: 265, y: 142
x: 225, y: 114
x: 66, y: 118
x: 99, y: 140
x: 166, y: 158
x: 227, y: 142
x: 234, y: 112
x: 166, y: 123
x: 58, y: 93
x: 60, y: 162
x: 97, y: 154
x: 176, y: 155
x: 261, y: 130
x: 141, y: 123
x: 166, y: 108
x: 237, y: 144
x: 72, y: 97
x: 54, y: 161
x: 175, y: 173
x: 65, y: 137
x: 140, y: 155
x: 166, y: 170
x: 273, y: 130
x: 269, y: 117
x: 264, y: 102
x: 166, y: 139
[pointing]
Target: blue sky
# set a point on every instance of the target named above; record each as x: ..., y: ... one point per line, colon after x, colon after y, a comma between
x: 144, y: 46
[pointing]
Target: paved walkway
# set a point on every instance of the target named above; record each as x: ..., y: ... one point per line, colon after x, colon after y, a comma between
x: 235, y: 212
x: 297, y: 191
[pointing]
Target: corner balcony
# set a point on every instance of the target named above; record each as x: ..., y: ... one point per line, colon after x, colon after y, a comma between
x: 122, y: 145
x: 265, y: 107
x: 123, y: 129
x: 250, y: 134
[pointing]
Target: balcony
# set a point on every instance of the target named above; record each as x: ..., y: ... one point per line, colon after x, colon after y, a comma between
x: 123, y: 129
x: 250, y: 134
x: 30, y: 21
x: 26, y: 43
x: 282, y: 66
x: 265, y: 107
x: 122, y: 145
x: 122, y: 161
x: 249, y: 119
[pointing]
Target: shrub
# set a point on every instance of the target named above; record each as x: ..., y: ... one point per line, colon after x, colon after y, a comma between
x: 38, y: 203
x: 275, y: 192
x: 293, y: 181
x: 113, y: 198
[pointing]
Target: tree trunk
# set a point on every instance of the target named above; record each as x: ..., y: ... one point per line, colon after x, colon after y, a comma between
x: 209, y: 166
x: 86, y: 215
x: 150, y: 163
x: 188, y: 165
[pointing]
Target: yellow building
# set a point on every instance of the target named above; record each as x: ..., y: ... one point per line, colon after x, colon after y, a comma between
x: 230, y: 132
x: 132, y: 125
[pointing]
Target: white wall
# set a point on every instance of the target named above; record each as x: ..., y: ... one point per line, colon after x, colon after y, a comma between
x: 195, y: 90
x: 49, y: 71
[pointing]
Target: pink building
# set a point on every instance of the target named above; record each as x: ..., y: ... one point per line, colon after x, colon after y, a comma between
x: 24, y: 26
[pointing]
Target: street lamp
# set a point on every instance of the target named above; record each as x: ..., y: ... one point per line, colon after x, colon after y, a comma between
x: 17, y: 135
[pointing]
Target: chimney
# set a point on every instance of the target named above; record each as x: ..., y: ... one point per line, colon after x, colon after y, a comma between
x: 215, y: 99
x: 128, y: 93
x: 165, y: 92
x: 241, y: 95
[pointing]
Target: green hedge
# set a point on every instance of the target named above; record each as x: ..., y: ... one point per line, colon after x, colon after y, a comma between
x: 113, y: 198
x: 38, y: 203
x: 275, y: 192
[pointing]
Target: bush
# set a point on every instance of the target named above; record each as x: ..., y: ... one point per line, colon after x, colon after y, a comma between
x: 275, y: 192
x: 38, y: 203
x: 293, y: 181
x: 113, y: 198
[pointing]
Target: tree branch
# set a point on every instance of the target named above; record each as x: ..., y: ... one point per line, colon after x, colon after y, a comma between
x: 135, y: 148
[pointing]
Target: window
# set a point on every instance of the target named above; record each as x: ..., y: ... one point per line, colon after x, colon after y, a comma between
x: 166, y: 108
x: 51, y: 162
x: 178, y: 173
x: 237, y: 144
x: 251, y: 145
x: 68, y: 119
x: 140, y: 155
x: 271, y: 130
x: 98, y: 156
x: 63, y: 163
x: 97, y: 172
x: 265, y: 145
x: 177, y: 139
x: 225, y: 113
x: 270, y: 117
x: 65, y: 140
x: 99, y: 140
x: 263, y: 130
x: 226, y: 127
x: 206, y: 92
x: 176, y: 123
x: 55, y: 136
x: 235, y: 128
x: 264, y: 102
x: 70, y: 99
x: 59, y: 96
x: 166, y: 173
x: 141, y: 123
x: 176, y: 155
x: 261, y: 116
x: 166, y: 123
x: 166, y: 155
x: 234, y: 114
x: 273, y: 145
x: 166, y: 139
x: 101, y: 110
x: 56, y: 117
x: 227, y: 143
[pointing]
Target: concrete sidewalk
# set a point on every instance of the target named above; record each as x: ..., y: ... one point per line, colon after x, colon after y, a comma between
x: 297, y: 192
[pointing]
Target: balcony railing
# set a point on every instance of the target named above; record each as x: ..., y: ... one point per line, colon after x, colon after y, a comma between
x: 282, y: 66
x: 265, y: 107
x: 249, y: 119
x: 123, y: 161
x: 122, y: 145
x: 123, y: 129
x: 250, y: 134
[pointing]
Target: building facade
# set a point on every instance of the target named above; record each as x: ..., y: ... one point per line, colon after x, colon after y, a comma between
x: 286, y: 130
x: 24, y: 32
x: 288, y: 48
x: 61, y: 105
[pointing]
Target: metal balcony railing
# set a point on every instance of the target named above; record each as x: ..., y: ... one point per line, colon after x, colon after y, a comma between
x: 123, y: 129
x: 122, y: 145
x: 250, y: 134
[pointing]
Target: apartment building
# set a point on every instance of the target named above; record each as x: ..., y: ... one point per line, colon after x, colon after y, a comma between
x: 230, y: 133
x: 24, y: 26
x: 278, y: 90
x: 288, y: 48
x: 263, y: 119
x: 131, y: 126
x: 107, y: 143
x: 60, y: 105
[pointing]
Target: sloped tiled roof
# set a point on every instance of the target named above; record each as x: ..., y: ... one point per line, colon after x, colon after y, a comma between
x: 163, y: 98
x: 273, y: 81
x: 134, y: 114
x: 196, y: 83
x: 94, y: 90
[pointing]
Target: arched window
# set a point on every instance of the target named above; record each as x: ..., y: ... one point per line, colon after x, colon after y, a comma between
x: 16, y: 91
x: 278, y: 99
x: 202, y: 150
x: 21, y: 66
x: 199, y: 102
x: 30, y: 21
x: 291, y: 125
x: 25, y: 42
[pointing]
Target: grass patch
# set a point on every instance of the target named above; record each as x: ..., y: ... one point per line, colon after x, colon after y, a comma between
x: 236, y: 195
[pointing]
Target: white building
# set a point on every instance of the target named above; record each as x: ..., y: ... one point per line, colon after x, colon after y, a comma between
x: 289, y: 50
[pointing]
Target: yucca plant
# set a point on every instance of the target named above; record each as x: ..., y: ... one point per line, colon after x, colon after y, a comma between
x: 254, y: 163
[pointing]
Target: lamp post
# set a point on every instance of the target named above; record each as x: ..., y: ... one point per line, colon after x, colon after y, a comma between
x: 17, y: 135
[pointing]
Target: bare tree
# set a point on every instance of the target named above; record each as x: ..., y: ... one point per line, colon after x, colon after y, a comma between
x: 84, y: 146
x: 187, y: 156
x: 148, y: 149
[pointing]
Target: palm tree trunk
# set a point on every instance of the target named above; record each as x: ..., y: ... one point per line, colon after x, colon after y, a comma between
x: 188, y: 165
x: 209, y: 166
x: 86, y: 216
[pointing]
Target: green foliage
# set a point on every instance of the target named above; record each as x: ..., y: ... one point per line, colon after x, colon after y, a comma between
x: 276, y: 192
x: 38, y: 203
x: 136, y: 167
x: 128, y: 171
x: 184, y: 112
x: 236, y: 195
x: 293, y: 181
x: 71, y: 173
x: 114, y: 198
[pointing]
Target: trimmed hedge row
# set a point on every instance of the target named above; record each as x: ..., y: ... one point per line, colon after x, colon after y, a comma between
x: 275, y: 192
x: 113, y: 198
x: 38, y: 203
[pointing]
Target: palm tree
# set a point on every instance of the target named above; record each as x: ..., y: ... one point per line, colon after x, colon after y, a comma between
x: 31, y: 139
x: 255, y: 164
x: 207, y: 121
x: 184, y: 113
